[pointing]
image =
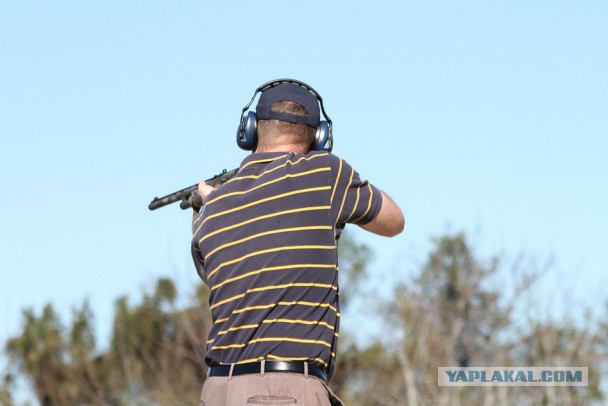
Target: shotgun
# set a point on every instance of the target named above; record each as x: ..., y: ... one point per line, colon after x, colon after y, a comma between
x: 189, y: 197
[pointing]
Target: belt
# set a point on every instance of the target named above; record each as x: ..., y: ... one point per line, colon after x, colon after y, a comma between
x: 269, y: 366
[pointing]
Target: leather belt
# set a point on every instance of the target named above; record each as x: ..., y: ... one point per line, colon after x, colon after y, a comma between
x: 269, y: 366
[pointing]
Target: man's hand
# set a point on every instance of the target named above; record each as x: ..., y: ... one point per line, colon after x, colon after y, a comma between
x: 198, y: 197
x: 204, y: 189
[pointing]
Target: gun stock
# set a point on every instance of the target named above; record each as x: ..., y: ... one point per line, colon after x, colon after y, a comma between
x: 189, y: 197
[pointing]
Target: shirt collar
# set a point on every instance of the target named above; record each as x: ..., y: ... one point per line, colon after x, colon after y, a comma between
x: 262, y: 157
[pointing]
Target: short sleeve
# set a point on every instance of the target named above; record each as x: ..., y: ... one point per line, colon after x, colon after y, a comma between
x: 354, y: 200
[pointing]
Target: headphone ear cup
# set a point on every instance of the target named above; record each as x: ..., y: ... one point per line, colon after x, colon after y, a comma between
x: 323, y: 139
x: 247, y: 133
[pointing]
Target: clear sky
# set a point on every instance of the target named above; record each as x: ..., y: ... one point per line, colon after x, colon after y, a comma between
x: 484, y: 117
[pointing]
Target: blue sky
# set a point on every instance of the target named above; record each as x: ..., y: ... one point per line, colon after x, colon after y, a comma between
x: 474, y: 116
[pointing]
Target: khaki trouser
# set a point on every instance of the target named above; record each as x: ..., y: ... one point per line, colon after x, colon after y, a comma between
x: 276, y: 388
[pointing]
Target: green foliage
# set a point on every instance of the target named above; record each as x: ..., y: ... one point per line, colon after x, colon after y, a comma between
x: 449, y: 314
x: 155, y: 355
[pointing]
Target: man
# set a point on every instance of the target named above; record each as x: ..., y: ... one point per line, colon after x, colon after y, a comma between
x: 265, y: 243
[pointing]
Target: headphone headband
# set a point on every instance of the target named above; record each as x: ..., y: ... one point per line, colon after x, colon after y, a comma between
x: 277, y: 82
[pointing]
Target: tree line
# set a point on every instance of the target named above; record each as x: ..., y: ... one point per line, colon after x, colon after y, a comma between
x: 455, y: 311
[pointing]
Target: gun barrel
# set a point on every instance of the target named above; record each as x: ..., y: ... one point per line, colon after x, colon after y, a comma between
x: 159, y: 202
x: 185, y: 194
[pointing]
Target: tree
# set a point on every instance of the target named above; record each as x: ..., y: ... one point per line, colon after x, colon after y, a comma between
x: 155, y: 355
x: 40, y: 353
x: 453, y: 312
x: 157, y: 350
x: 6, y: 397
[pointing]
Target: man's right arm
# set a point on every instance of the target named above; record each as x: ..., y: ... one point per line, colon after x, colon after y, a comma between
x: 389, y: 221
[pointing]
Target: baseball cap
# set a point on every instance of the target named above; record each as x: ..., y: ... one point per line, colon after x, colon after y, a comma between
x: 289, y: 92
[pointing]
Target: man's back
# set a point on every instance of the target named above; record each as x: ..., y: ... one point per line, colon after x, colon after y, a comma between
x: 267, y: 240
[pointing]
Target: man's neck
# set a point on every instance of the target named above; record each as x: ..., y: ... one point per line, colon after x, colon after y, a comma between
x: 297, y: 148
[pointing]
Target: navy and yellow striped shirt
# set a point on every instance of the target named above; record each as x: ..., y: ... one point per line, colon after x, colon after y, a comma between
x: 266, y: 245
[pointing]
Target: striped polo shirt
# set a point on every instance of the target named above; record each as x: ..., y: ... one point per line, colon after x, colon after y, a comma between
x: 266, y: 245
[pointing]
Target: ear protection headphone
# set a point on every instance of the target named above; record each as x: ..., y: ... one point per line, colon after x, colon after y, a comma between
x: 247, y: 134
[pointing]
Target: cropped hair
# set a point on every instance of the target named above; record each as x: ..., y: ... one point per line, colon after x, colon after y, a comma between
x: 269, y: 131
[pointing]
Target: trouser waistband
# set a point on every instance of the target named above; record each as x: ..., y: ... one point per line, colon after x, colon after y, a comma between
x: 262, y: 367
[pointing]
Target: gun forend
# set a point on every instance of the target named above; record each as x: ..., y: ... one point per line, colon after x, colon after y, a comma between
x: 189, y: 196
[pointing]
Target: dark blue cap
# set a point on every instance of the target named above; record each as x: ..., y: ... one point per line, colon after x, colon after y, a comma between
x: 289, y: 92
